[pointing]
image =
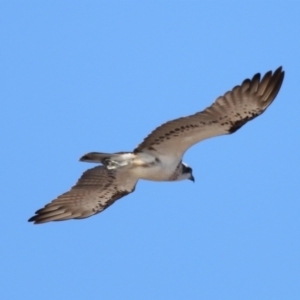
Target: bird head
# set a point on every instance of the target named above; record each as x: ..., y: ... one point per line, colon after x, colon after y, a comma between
x: 186, y: 172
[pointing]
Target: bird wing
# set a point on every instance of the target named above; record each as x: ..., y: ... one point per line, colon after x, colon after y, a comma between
x: 96, y: 190
x: 226, y: 115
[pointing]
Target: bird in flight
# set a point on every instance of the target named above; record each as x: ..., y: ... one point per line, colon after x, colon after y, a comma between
x: 159, y: 156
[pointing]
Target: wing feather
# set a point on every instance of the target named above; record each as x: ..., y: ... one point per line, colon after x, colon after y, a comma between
x: 226, y: 115
x: 96, y: 190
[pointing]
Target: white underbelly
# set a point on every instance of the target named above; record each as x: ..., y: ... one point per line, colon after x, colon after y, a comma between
x: 156, y: 170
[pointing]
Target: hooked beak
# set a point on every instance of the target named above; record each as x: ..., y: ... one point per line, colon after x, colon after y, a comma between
x: 192, y: 178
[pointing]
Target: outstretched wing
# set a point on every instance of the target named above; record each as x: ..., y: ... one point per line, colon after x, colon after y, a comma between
x: 96, y: 190
x: 226, y: 115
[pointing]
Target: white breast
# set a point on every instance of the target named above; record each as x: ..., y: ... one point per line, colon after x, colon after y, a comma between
x: 148, y: 167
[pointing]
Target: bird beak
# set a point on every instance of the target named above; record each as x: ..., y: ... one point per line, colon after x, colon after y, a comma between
x: 192, y: 178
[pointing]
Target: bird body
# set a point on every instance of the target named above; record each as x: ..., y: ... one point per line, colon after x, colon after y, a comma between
x: 142, y: 165
x: 159, y: 156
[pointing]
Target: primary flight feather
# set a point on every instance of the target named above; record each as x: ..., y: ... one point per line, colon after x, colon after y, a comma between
x: 159, y: 156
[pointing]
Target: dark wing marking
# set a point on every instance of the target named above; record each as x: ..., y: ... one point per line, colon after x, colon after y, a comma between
x: 96, y: 190
x: 226, y: 115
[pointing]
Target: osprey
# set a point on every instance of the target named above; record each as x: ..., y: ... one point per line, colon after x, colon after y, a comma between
x: 159, y: 156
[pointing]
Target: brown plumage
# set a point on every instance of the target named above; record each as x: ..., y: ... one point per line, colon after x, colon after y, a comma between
x: 96, y: 190
x: 159, y: 156
x: 226, y: 115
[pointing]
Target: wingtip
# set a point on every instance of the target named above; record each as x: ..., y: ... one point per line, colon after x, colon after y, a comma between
x: 33, y: 220
x: 280, y: 71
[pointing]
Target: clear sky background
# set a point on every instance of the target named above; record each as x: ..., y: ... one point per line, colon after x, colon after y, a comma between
x: 81, y: 76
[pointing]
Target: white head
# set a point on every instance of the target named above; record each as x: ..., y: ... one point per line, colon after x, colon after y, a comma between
x: 186, y: 172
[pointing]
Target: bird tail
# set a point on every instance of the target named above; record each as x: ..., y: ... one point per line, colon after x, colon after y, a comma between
x: 110, y: 160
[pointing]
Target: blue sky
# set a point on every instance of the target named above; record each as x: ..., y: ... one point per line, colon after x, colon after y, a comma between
x: 99, y: 76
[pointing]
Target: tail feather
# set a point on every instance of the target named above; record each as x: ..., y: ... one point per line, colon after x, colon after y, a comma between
x: 96, y: 157
x: 110, y: 160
